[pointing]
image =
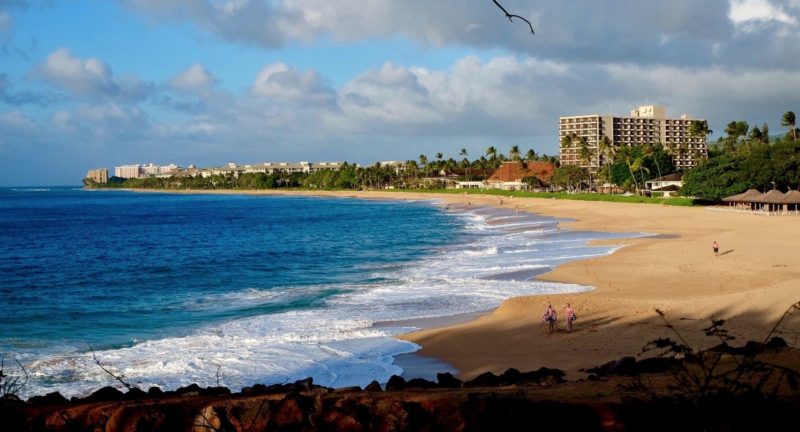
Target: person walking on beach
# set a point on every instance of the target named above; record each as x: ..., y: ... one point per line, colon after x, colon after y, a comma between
x: 570, y: 317
x: 716, y: 248
x: 550, y: 317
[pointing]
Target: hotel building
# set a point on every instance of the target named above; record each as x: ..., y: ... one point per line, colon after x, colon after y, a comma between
x: 646, y: 125
x: 99, y: 175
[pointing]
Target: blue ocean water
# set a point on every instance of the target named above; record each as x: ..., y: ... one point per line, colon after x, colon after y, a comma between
x: 169, y: 289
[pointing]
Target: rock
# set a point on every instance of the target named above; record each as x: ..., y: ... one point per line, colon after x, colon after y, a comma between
x: 104, y: 394
x: 751, y: 348
x: 190, y: 390
x: 543, y: 375
x: 395, y: 383
x: 447, y: 380
x: 486, y: 379
x: 215, y: 391
x: 292, y: 413
x: 419, y: 383
x: 48, y: 399
x: 625, y: 366
x: 374, y: 386
x: 135, y: 393
x: 777, y: 342
x: 511, y: 376
x: 352, y: 389
x: 303, y: 385
x: 657, y: 364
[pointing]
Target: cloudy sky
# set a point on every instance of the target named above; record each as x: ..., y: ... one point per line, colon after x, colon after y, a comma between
x: 93, y: 83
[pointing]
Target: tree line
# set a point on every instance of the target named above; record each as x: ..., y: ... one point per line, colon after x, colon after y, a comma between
x: 747, y: 158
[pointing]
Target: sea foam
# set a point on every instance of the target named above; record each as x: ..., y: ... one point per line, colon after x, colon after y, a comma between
x: 335, y: 341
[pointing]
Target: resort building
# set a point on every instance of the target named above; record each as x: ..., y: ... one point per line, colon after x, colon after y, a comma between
x: 128, y: 171
x: 510, y: 175
x: 142, y: 171
x: 99, y: 175
x: 666, y: 185
x: 647, y: 124
x: 271, y: 168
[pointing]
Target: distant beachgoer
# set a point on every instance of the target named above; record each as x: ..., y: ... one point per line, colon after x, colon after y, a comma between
x: 550, y: 318
x: 716, y: 248
x: 571, y: 316
x: 516, y: 209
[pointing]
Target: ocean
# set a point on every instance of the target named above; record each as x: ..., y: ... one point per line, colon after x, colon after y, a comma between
x: 173, y: 289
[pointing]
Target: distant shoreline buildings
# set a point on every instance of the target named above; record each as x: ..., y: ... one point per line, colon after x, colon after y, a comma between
x: 99, y: 175
x: 647, y: 124
x: 136, y: 171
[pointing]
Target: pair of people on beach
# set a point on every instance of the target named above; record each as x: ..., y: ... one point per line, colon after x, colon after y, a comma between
x: 550, y: 317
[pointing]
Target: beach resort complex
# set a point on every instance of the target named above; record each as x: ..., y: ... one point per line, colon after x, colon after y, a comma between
x: 581, y: 136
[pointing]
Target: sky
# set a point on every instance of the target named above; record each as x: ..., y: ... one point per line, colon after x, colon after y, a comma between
x: 99, y: 83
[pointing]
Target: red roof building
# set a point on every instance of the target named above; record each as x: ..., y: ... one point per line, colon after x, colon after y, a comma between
x: 514, y: 172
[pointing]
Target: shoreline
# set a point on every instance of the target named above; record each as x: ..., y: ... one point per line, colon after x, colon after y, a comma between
x: 751, y: 284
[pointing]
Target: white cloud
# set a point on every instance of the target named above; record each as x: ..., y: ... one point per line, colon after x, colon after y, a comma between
x: 744, y: 13
x: 89, y: 77
x: 196, y: 77
x: 76, y: 75
x: 279, y: 81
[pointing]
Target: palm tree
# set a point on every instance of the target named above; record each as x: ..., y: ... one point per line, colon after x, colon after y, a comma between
x: 491, y: 153
x: 606, y: 150
x: 637, y: 165
x: 514, y: 153
x: 586, y: 156
x: 465, y: 162
x: 650, y: 150
x: 423, y: 161
x: 790, y: 121
x: 531, y: 155
x: 734, y: 130
x: 566, y: 141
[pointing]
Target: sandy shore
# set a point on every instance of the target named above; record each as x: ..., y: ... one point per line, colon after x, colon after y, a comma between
x: 753, y: 281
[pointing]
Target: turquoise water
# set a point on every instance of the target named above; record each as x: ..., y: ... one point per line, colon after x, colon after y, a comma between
x: 170, y: 288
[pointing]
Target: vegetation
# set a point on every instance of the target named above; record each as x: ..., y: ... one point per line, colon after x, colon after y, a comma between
x: 724, y: 370
x: 12, y: 382
x: 747, y: 158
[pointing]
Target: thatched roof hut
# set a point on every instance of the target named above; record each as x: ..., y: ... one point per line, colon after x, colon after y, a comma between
x: 792, y: 197
x: 750, y: 195
x: 771, y: 197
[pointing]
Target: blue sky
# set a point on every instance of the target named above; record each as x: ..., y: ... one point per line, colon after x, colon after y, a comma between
x: 87, y: 83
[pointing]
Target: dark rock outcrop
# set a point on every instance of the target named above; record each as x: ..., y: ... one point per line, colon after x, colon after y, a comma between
x: 396, y: 383
x: 447, y: 380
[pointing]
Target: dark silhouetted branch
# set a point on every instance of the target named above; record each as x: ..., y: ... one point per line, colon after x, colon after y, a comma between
x: 512, y: 16
x: 119, y: 378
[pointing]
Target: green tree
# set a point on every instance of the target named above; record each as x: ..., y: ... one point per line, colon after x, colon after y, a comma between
x: 789, y: 120
x: 715, y: 178
x: 569, y: 177
x: 514, y: 154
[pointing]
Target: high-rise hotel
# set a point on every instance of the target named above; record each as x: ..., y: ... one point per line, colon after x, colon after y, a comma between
x: 646, y: 125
